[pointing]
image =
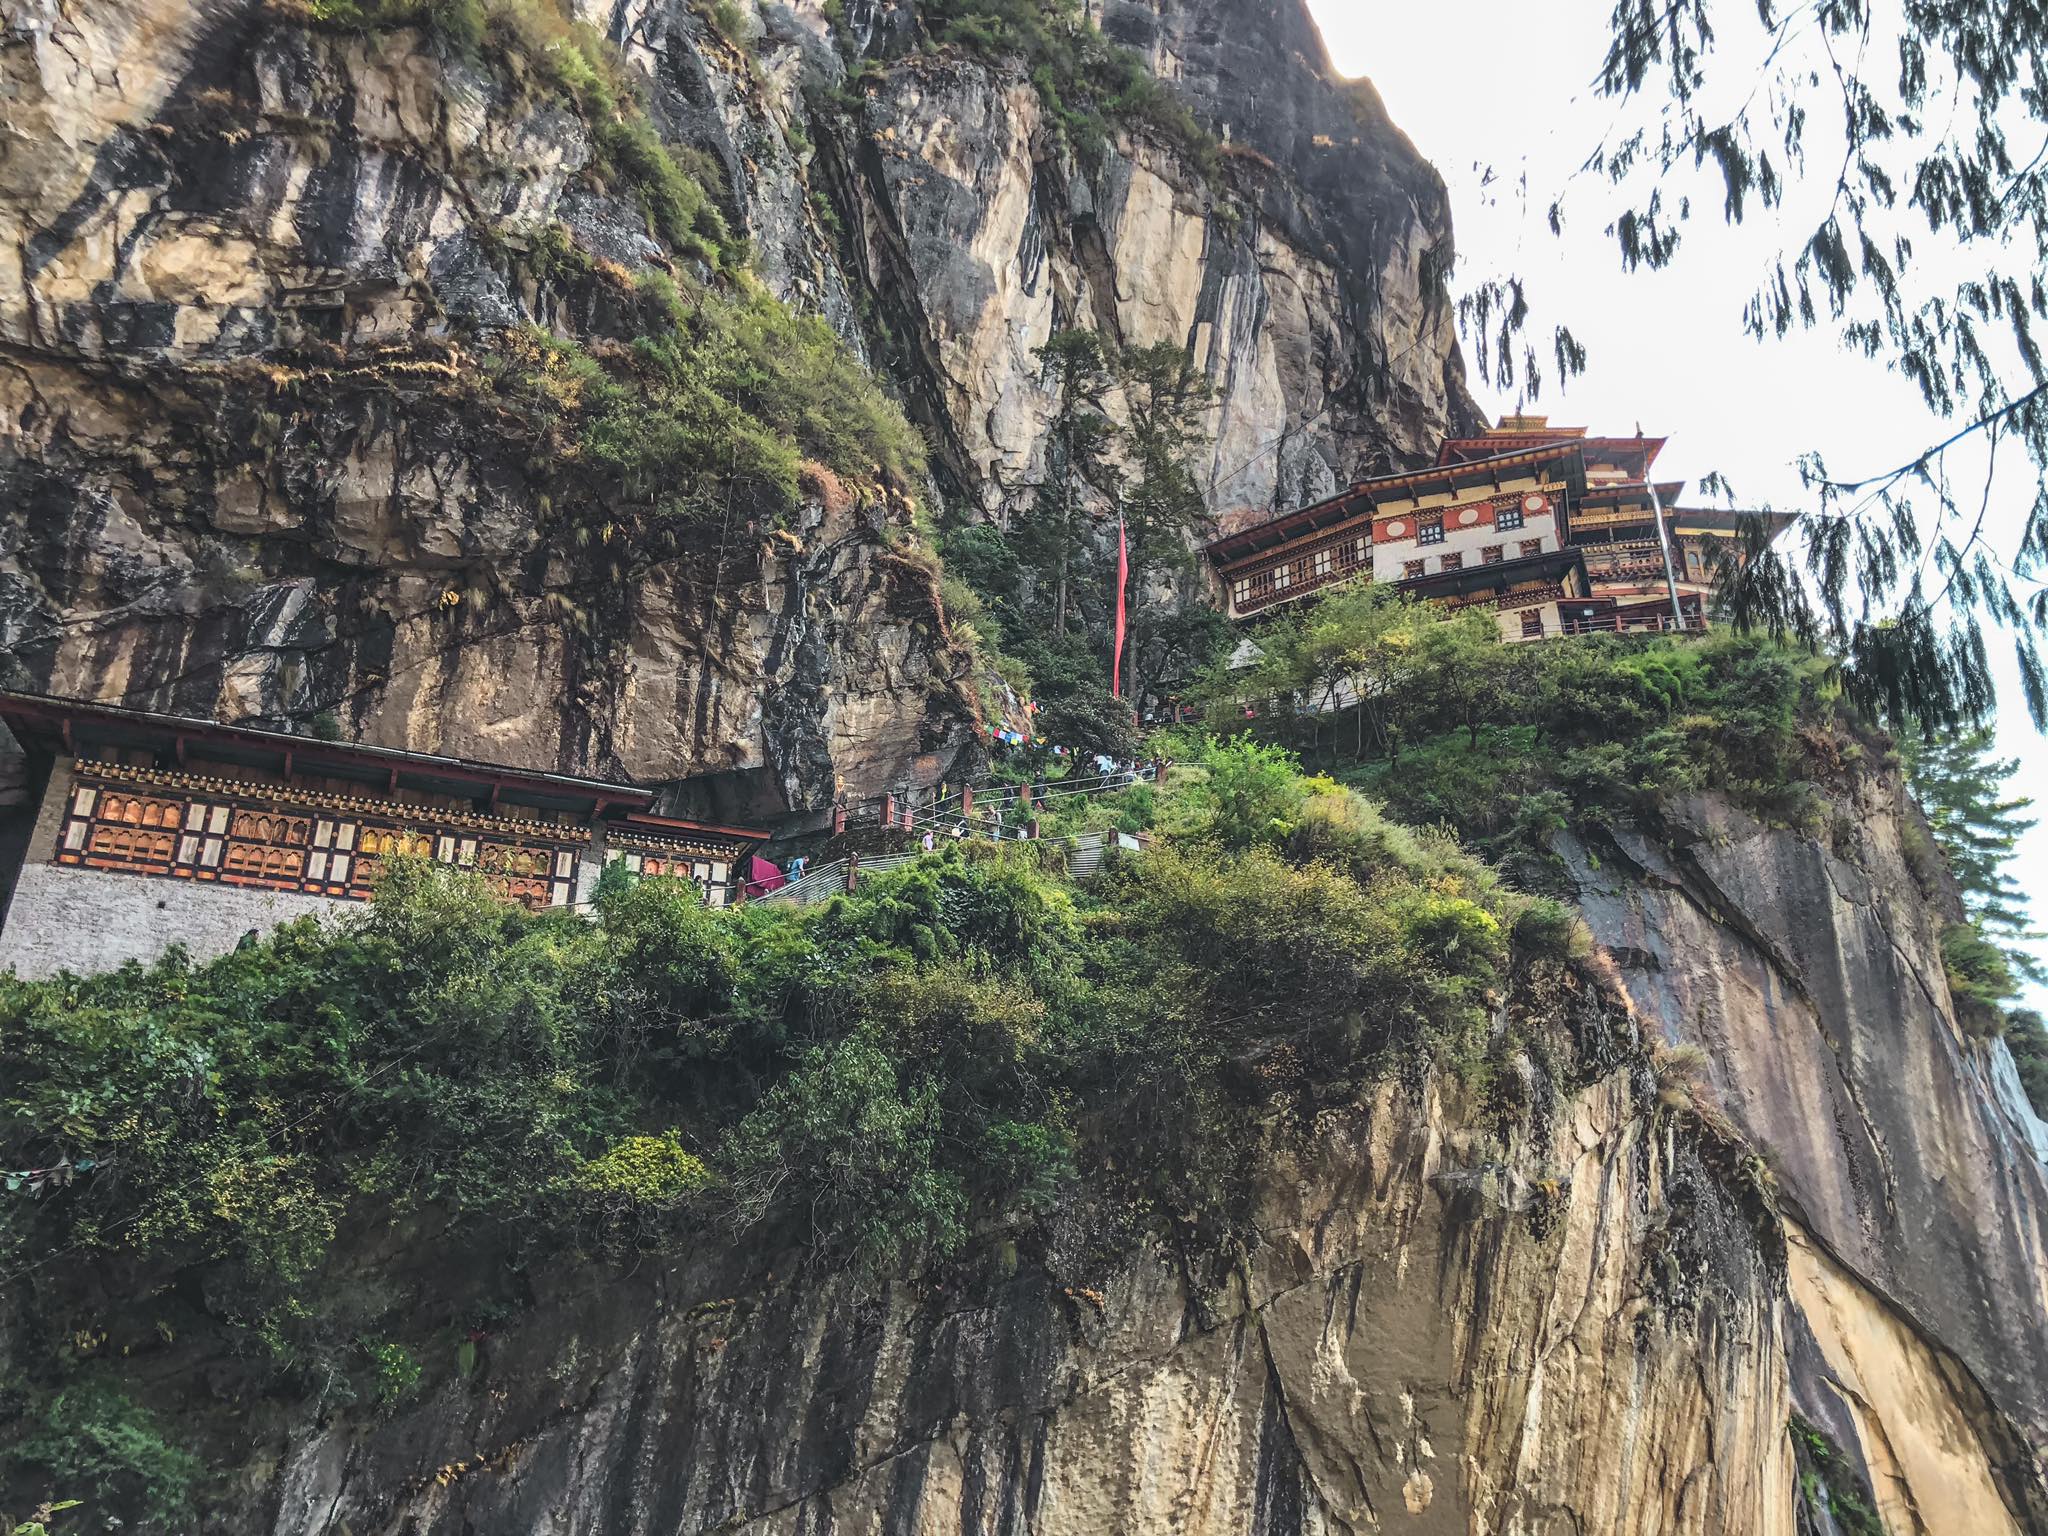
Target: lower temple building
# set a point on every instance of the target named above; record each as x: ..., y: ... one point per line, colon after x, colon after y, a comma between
x: 142, y: 830
x: 1554, y: 531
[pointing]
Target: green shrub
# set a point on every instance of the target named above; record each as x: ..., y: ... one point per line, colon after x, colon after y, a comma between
x: 1830, y: 1484
x: 1084, y: 81
x: 723, y: 397
x: 1545, y: 737
x: 89, y: 1440
x: 1550, y: 930
x: 396, y: 1371
x: 1255, y: 793
x: 643, y: 1173
x: 1980, y: 979
x: 727, y: 20
x: 2028, y: 1041
x: 845, y: 1138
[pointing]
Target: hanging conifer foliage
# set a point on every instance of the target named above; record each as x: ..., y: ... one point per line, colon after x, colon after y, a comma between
x: 1895, y: 156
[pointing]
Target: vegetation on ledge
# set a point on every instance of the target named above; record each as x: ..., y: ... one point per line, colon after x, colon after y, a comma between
x: 939, y: 1059
x: 1428, y: 711
x: 714, y: 408
x: 1834, y: 1492
x: 539, y: 45
x: 1086, y: 82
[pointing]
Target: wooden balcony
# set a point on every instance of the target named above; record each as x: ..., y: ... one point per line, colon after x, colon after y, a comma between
x: 1623, y: 560
x: 1665, y: 622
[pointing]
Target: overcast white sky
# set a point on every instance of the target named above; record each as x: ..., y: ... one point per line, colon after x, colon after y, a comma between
x: 1478, y: 84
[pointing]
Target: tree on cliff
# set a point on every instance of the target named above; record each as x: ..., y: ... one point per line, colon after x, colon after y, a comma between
x: 1961, y: 788
x: 1166, y: 396
x: 1903, y: 154
x: 1078, y: 441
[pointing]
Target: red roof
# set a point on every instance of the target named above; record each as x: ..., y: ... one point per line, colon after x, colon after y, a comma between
x: 75, y: 725
x: 1597, y: 450
x: 1363, y: 496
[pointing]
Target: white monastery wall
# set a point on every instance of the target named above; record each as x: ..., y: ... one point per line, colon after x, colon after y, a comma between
x: 89, y: 920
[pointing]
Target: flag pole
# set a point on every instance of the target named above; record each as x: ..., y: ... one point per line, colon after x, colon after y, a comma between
x: 1123, y: 576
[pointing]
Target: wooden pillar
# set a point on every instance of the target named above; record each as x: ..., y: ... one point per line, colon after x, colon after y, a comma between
x: 889, y: 812
x: 838, y: 818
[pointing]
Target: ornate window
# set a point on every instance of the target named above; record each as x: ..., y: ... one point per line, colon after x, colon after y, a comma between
x: 162, y: 823
x: 1451, y: 563
x: 709, y: 870
x: 1532, y: 623
x: 1430, y: 532
x: 1410, y: 569
x: 1531, y: 547
x: 1508, y: 518
x: 1490, y: 555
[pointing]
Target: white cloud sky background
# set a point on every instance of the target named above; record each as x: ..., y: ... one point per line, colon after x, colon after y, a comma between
x: 1479, y: 83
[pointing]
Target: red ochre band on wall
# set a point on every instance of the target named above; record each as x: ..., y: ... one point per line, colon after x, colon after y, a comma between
x: 151, y: 822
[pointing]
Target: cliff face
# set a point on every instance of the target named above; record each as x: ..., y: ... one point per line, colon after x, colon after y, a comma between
x: 1907, y: 1159
x: 251, y: 268
x: 253, y: 271
x: 1435, y: 1332
x: 1549, y: 1305
x: 1305, y: 275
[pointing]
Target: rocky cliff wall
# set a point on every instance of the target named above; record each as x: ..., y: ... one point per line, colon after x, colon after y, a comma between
x: 251, y: 268
x: 1435, y: 1332
x: 1557, y: 1319
x: 1305, y: 272
x: 1809, y: 969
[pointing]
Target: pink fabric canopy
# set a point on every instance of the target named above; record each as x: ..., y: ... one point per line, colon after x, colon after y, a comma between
x: 763, y: 877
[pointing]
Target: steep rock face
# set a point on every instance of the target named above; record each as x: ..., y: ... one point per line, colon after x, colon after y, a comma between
x: 1810, y: 971
x: 1305, y: 273
x: 247, y: 470
x: 251, y: 269
x: 1421, y: 1340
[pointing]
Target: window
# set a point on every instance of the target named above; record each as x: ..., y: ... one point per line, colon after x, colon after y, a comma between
x: 1430, y: 532
x: 1410, y: 569
x: 1452, y: 563
x: 1322, y: 565
x: 1241, y: 591
x: 1508, y: 518
x: 1283, y: 577
x: 1532, y: 623
x: 1490, y: 555
x: 1531, y: 547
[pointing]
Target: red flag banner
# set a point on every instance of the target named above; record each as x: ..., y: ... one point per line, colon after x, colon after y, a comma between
x: 1123, y: 576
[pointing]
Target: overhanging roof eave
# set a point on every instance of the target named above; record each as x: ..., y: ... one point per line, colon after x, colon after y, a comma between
x: 70, y: 719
